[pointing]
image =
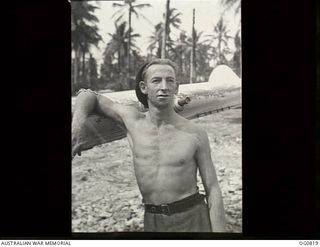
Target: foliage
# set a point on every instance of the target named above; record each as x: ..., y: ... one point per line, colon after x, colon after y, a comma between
x: 232, y: 3
x: 113, y: 70
x: 84, y: 33
x: 155, y: 40
x: 122, y: 57
x: 182, y: 52
x: 237, y: 54
x: 131, y: 8
x: 171, y: 19
x: 221, y: 36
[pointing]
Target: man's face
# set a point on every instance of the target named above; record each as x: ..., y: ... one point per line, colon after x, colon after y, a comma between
x: 160, y: 85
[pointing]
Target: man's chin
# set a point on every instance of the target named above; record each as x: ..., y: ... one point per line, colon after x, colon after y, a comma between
x: 162, y: 104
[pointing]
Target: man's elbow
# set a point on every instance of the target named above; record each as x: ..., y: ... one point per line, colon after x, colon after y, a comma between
x: 85, y: 102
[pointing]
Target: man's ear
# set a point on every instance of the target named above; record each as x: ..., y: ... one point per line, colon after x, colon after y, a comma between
x: 143, y: 87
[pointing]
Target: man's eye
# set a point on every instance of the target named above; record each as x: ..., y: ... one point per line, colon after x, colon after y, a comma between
x: 156, y: 81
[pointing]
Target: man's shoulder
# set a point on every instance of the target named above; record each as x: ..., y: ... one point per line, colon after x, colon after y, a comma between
x: 131, y: 114
x: 192, y: 127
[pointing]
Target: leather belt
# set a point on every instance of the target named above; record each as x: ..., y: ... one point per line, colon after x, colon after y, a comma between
x: 175, y: 207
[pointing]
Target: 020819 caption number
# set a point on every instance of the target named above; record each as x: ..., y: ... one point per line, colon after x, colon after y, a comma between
x: 308, y: 242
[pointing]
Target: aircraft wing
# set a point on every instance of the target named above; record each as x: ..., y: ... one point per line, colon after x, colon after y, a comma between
x: 205, y: 99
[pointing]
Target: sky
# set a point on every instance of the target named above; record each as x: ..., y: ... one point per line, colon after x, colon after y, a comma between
x: 207, y: 14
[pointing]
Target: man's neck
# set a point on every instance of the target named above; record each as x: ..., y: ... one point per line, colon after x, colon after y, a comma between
x: 160, y: 116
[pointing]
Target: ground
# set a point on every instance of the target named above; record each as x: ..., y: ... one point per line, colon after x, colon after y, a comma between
x: 105, y: 195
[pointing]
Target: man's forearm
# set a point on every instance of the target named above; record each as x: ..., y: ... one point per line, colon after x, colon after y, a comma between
x: 216, y: 210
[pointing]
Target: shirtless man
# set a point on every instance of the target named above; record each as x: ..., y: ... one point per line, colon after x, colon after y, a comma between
x: 167, y: 150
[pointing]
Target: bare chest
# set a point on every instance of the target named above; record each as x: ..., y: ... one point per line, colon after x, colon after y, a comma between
x: 162, y: 147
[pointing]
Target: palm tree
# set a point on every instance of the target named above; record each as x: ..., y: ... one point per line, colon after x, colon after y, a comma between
x: 92, y: 72
x: 156, y: 40
x: 222, y: 37
x: 117, y: 47
x: 232, y: 3
x: 173, y: 21
x: 91, y: 37
x: 83, y: 34
x: 237, y: 54
x: 171, y: 18
x: 182, y: 55
x: 193, y: 51
x: 202, y: 58
x: 117, y: 44
x: 130, y: 7
x: 199, y: 53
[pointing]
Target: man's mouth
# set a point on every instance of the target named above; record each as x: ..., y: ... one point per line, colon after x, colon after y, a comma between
x: 163, y: 96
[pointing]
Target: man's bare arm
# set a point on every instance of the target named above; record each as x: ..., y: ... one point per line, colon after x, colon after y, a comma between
x: 211, y: 185
x: 88, y: 102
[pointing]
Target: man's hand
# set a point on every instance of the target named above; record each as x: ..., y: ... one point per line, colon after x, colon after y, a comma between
x: 76, y: 145
x: 76, y: 139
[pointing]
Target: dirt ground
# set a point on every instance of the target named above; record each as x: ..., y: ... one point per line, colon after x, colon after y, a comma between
x: 105, y: 195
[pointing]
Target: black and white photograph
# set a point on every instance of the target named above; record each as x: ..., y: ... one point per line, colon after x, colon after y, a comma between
x: 156, y: 116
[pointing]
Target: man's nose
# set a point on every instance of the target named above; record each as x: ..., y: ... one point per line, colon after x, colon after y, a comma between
x: 163, y: 84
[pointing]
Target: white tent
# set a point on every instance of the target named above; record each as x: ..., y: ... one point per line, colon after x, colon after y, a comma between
x: 223, y: 77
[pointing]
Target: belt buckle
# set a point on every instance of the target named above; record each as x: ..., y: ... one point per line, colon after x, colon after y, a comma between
x: 153, y: 209
x: 165, y: 209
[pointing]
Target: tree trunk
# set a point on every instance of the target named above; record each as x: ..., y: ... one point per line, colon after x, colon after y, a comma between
x: 219, y: 50
x: 76, y: 69
x: 89, y: 71
x: 83, y: 66
x: 180, y: 62
x: 240, y: 64
x: 127, y: 85
x: 165, y: 30
x: 193, y: 51
x: 119, y: 60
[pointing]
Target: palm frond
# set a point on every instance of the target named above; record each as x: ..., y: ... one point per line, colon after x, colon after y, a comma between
x: 91, y: 18
x: 145, y: 18
x: 117, y: 12
x: 139, y: 6
x: 175, y: 17
x: 118, y: 5
x: 135, y: 12
x: 119, y: 19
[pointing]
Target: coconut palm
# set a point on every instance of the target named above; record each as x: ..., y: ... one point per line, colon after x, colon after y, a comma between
x: 91, y: 37
x: 193, y: 51
x: 117, y: 48
x: 178, y: 53
x: 117, y: 45
x: 128, y: 7
x: 221, y: 35
x: 201, y: 51
x: 202, y: 58
x: 92, y: 75
x: 171, y: 19
x: 181, y: 54
x: 237, y: 54
x: 84, y: 32
x: 155, y: 40
x: 232, y: 3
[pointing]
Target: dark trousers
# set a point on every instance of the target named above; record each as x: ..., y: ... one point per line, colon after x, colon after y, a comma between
x: 195, y: 219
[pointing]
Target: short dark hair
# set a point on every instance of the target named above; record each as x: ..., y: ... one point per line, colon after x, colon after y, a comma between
x: 143, y: 98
